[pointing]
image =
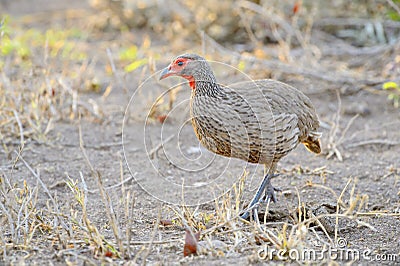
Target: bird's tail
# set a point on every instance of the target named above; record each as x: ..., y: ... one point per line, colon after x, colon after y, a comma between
x: 312, y: 142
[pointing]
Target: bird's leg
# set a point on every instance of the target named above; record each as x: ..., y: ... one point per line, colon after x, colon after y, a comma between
x: 269, y: 193
x: 270, y: 190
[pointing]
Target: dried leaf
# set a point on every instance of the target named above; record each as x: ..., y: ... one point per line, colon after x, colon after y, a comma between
x: 161, y: 118
x: 166, y: 223
x: 108, y: 254
x: 191, y: 240
x: 260, y: 239
x: 296, y: 7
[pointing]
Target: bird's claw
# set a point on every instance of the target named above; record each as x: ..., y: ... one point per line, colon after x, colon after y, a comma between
x: 268, y: 196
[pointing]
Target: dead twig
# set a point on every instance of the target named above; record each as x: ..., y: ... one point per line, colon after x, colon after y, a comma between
x: 347, y: 50
x: 10, y: 220
x: 105, y: 197
x: 277, y: 65
x: 153, y: 235
x: 373, y: 142
x: 114, y: 71
x: 154, y: 242
x: 359, y: 22
x: 156, y: 148
x: 273, y: 17
x: 116, y: 185
x: 334, y: 143
x: 37, y: 176
x: 21, y: 129
x: 394, y: 6
x: 129, y: 206
x: 338, y: 208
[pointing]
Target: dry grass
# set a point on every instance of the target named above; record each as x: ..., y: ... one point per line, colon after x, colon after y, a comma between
x: 27, y: 225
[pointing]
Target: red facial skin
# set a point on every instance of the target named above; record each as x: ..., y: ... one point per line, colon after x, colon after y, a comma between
x: 175, y: 68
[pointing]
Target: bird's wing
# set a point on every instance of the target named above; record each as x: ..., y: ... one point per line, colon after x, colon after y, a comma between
x: 283, y: 99
x: 287, y: 133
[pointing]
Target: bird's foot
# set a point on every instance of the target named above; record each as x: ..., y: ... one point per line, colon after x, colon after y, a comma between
x: 269, y: 195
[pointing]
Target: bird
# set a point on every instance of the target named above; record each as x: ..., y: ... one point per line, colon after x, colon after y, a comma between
x: 258, y: 121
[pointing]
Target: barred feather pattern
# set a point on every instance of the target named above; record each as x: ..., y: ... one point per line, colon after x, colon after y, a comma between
x: 259, y: 121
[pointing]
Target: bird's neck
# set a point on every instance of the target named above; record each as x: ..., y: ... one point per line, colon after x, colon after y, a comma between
x: 205, y: 86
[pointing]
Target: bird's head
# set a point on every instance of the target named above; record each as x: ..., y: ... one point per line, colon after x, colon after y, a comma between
x: 189, y: 66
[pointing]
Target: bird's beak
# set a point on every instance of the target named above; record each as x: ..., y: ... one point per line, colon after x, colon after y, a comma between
x: 166, y: 73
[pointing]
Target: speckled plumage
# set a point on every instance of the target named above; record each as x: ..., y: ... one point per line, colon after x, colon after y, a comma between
x: 257, y: 121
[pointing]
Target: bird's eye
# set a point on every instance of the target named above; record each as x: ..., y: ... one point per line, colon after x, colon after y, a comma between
x: 180, y: 63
